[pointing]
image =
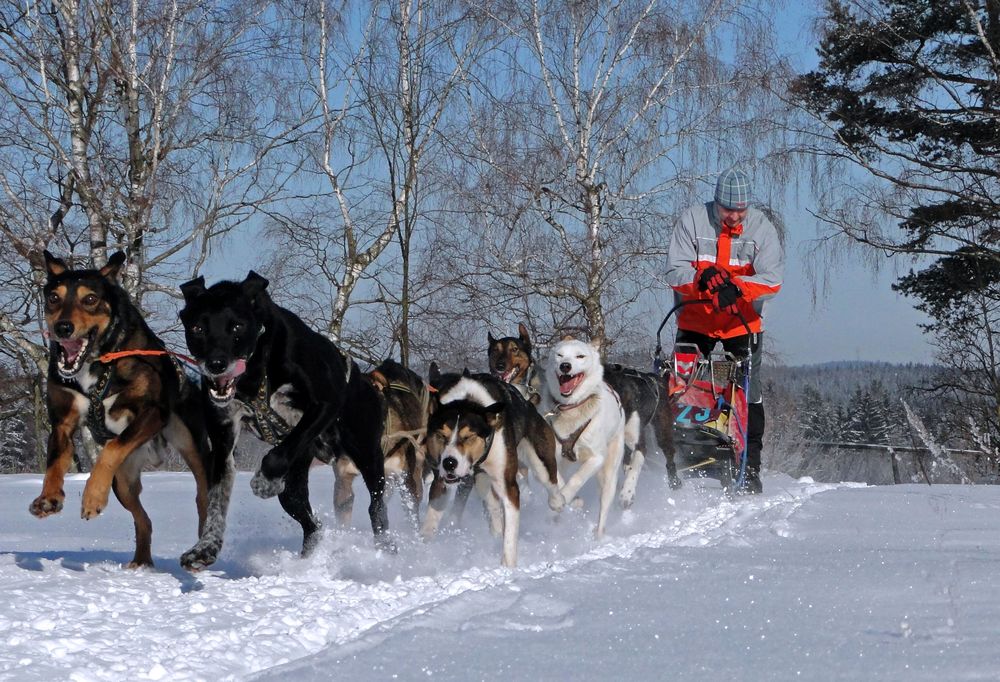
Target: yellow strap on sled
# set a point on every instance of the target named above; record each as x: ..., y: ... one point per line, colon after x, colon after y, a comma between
x: 704, y: 463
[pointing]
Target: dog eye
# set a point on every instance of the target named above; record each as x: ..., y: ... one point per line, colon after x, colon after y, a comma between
x: 53, y: 298
x: 197, y: 329
x: 90, y: 299
x: 238, y: 327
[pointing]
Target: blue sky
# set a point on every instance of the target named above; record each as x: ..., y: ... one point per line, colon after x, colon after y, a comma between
x: 857, y: 316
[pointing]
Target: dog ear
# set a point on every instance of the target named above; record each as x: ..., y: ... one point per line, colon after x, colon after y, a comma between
x: 54, y: 266
x: 254, y: 284
x: 522, y: 333
x: 466, y: 372
x: 379, y: 380
x: 489, y: 339
x: 112, y: 269
x: 568, y: 337
x: 433, y: 373
x: 596, y: 343
x: 494, y: 415
x: 193, y: 289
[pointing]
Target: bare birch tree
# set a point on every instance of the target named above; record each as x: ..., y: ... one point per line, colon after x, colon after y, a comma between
x: 129, y: 125
x: 592, y: 125
x: 378, y: 79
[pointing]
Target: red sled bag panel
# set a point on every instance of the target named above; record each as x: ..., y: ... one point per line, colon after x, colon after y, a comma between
x: 710, y: 409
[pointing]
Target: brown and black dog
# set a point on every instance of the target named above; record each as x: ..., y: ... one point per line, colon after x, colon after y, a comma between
x: 108, y: 370
x: 511, y: 361
x: 406, y: 407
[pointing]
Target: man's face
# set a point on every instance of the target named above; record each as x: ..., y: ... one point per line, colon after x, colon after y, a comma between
x: 730, y: 217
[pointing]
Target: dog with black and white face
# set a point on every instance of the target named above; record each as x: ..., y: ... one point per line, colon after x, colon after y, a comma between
x: 587, y: 418
x: 480, y: 430
x: 265, y: 368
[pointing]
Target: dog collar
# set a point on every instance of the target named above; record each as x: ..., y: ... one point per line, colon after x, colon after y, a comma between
x: 563, y: 407
x: 486, y: 452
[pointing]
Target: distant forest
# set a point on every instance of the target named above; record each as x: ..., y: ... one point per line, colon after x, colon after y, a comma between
x: 811, y: 407
x: 860, y: 402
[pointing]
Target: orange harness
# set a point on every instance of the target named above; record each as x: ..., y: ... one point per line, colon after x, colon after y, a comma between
x: 111, y: 357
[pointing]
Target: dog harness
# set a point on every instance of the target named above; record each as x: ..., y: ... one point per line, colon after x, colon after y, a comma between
x: 96, y: 423
x: 569, y: 442
x: 529, y: 378
x: 392, y: 439
x: 271, y: 426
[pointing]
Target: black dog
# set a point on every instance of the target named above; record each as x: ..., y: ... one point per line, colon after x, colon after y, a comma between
x: 107, y: 369
x: 293, y: 387
x: 406, y: 406
x: 642, y: 394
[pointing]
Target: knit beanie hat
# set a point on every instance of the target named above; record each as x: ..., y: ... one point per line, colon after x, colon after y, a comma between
x: 732, y: 191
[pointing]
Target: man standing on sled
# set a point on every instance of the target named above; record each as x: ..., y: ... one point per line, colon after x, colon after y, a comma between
x: 728, y: 253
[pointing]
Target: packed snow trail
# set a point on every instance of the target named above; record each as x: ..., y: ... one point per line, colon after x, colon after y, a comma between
x: 805, y: 582
x: 71, y: 610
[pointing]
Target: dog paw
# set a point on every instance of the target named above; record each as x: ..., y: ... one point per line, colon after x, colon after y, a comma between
x: 200, y: 556
x: 557, y: 502
x: 309, y: 543
x: 674, y: 481
x: 576, y: 503
x: 92, y: 512
x: 43, y: 506
x: 626, y: 499
x: 93, y: 504
x: 265, y: 487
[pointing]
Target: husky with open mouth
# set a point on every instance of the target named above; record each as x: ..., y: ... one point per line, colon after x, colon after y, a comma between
x: 588, y: 420
x: 108, y: 370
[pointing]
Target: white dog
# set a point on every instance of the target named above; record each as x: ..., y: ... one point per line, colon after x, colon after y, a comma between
x: 587, y: 418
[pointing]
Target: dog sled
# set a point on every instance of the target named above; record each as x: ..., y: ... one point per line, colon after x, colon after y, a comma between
x: 708, y: 399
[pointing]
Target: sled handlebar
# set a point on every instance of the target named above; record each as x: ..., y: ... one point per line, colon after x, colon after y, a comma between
x: 659, y: 345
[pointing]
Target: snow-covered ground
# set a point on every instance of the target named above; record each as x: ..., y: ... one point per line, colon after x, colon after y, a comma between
x: 808, y: 581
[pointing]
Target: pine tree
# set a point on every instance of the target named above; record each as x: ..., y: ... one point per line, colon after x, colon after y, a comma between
x: 908, y: 93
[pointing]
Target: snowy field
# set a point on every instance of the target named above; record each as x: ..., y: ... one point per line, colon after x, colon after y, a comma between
x: 807, y: 582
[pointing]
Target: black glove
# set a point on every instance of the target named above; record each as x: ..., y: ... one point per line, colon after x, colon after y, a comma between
x: 711, y: 278
x: 725, y: 297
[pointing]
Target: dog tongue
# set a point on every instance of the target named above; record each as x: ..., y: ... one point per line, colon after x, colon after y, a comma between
x: 239, y: 367
x: 71, y: 347
x: 567, y: 384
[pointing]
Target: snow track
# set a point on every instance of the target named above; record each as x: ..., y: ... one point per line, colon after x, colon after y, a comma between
x: 71, y: 612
